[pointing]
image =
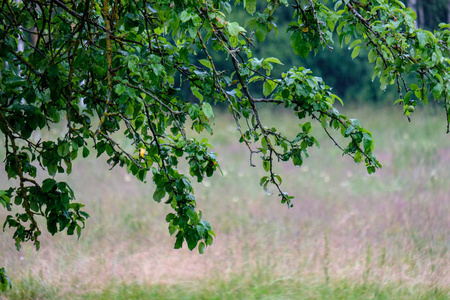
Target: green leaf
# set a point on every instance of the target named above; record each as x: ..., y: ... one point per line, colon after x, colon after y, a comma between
x: 119, y: 89
x: 279, y: 178
x: 206, y: 63
x: 263, y: 180
x: 355, y: 52
x: 273, y: 60
x: 358, y: 157
x: 170, y: 217
x: 191, y: 240
x: 4, y: 281
x: 5, y: 200
x: 159, y: 194
x: 422, y: 37
x: 437, y: 91
x: 200, y: 230
x: 261, y: 32
x: 268, y: 87
x: 15, y: 81
x: 109, y: 150
x: 201, y: 248
x: 209, y: 239
x: 264, y: 143
x: 185, y: 16
x: 47, y: 185
x: 354, y: 43
x: 172, y: 229
x: 413, y: 86
x: 208, y: 111
x: 192, y: 214
x: 63, y: 149
x: 372, y: 56
x: 250, y: 6
x: 196, y: 93
x: 300, y: 46
x: 266, y: 165
x: 179, y: 241
x: 324, y: 121
x: 349, y: 130
x: 307, y: 128
x: 234, y: 28
x: 101, y: 147
x: 85, y: 152
x: 368, y: 142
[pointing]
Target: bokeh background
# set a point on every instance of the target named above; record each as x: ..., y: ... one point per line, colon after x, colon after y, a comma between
x: 348, y: 236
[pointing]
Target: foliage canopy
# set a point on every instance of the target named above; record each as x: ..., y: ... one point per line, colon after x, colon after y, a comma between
x: 108, y: 66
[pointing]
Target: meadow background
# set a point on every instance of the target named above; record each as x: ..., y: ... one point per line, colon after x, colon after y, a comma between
x: 348, y: 236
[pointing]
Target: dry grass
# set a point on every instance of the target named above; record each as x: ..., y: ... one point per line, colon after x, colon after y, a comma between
x: 391, y: 227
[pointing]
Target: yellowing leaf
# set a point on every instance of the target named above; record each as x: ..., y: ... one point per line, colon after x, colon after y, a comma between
x: 141, y: 152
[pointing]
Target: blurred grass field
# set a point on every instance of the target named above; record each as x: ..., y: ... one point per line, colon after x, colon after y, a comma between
x: 348, y: 236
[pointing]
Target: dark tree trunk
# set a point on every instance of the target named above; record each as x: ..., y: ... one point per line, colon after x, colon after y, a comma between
x: 413, y: 5
x: 420, y: 14
x: 448, y: 12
